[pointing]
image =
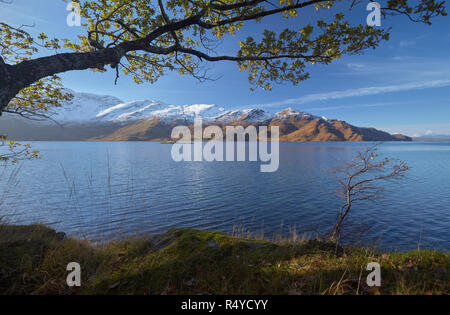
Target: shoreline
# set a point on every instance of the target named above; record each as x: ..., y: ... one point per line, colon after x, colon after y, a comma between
x: 33, y: 260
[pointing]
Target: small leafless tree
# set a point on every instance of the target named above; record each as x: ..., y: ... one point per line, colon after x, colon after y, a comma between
x: 361, y: 179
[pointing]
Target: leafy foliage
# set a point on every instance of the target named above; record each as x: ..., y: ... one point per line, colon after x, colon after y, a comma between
x: 148, y: 38
x: 12, y: 152
x: 16, y: 46
x: 277, y: 57
x: 39, y: 100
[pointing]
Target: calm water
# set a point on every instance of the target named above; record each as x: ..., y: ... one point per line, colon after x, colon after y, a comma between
x: 106, y: 190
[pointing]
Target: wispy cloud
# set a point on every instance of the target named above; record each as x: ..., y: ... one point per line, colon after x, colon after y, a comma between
x: 400, y: 68
x: 14, y: 10
x: 366, y: 91
x: 352, y: 106
x: 356, y: 66
x: 406, y: 43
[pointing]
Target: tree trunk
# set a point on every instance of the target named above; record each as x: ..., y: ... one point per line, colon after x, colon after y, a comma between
x: 5, y: 91
x: 14, y: 78
x: 337, y: 228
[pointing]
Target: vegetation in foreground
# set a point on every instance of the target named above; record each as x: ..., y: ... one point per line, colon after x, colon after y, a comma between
x: 33, y: 260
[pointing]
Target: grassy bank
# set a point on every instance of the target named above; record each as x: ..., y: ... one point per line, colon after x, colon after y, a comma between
x: 33, y: 260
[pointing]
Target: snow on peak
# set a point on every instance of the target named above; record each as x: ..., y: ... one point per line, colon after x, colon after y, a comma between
x: 248, y: 115
x: 134, y: 110
x: 87, y: 107
x: 147, y: 110
x: 289, y: 112
x: 92, y: 108
x: 206, y: 111
x: 84, y: 106
x: 255, y: 115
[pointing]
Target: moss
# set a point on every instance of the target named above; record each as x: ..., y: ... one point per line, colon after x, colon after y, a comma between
x: 33, y: 259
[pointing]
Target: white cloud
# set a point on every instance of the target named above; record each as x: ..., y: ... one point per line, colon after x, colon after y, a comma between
x: 366, y: 91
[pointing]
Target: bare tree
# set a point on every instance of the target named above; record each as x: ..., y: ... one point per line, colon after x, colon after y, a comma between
x: 362, y: 178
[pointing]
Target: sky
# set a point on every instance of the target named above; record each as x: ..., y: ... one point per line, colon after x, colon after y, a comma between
x: 401, y: 87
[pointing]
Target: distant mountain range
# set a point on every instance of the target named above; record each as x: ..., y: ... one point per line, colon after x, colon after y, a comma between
x: 99, y: 117
x: 433, y: 138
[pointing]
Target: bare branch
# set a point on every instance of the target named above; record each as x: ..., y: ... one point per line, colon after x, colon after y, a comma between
x: 362, y: 179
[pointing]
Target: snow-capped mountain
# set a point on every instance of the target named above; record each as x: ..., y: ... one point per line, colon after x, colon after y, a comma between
x: 298, y: 114
x: 84, y: 107
x: 102, y: 117
x: 92, y: 108
x: 247, y: 115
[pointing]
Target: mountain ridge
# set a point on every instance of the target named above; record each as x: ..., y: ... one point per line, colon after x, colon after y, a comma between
x: 103, y: 117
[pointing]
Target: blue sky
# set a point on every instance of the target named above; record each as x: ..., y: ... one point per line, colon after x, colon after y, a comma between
x: 403, y: 86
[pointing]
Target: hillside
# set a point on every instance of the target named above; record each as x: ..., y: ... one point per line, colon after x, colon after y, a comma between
x: 292, y: 129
